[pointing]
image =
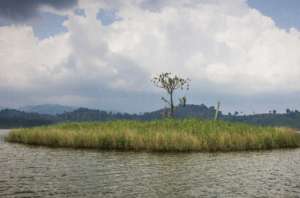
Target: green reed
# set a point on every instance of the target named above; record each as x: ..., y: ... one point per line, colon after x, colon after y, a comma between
x: 191, y: 134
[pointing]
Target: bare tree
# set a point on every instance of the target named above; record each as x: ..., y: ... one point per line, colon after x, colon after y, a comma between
x: 171, y: 84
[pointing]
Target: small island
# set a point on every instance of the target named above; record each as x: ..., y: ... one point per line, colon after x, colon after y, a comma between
x: 190, y: 134
x: 168, y: 134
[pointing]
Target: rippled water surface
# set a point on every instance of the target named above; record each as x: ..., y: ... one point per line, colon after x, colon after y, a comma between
x: 37, y: 171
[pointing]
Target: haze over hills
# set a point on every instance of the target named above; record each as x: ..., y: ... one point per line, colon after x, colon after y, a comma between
x: 1, y: 107
x: 52, y: 109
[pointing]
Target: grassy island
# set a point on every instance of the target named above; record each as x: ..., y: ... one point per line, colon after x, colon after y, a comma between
x: 167, y: 135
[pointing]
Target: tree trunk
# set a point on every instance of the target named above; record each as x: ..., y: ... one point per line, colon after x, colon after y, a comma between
x: 172, y: 106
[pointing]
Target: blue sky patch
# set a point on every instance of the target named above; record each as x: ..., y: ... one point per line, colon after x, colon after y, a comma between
x: 285, y: 13
x: 80, y: 12
x: 107, y: 17
x: 49, y: 25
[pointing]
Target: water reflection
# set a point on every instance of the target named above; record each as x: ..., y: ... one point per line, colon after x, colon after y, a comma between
x: 37, y: 171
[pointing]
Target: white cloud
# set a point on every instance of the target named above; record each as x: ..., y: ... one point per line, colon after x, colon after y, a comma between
x: 213, y: 42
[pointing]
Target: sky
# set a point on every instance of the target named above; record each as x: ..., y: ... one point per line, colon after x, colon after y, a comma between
x: 103, y: 54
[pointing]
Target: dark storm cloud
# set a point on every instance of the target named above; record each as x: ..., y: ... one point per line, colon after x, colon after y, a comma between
x: 19, y: 11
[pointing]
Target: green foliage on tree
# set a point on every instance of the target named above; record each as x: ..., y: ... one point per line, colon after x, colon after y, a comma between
x: 170, y: 84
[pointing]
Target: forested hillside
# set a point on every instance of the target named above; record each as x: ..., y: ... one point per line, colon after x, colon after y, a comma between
x: 10, y: 118
x: 51, y: 109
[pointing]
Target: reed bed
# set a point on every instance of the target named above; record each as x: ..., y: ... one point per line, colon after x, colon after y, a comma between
x: 191, y: 134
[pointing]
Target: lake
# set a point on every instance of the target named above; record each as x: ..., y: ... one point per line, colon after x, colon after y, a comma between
x: 39, y: 171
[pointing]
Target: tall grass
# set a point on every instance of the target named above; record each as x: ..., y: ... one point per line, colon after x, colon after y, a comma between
x: 167, y: 135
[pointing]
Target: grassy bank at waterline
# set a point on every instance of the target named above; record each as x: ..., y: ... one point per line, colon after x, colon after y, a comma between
x: 168, y: 135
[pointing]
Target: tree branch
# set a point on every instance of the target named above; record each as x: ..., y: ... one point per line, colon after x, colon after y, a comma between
x: 160, y: 86
x: 165, y: 100
x: 178, y: 106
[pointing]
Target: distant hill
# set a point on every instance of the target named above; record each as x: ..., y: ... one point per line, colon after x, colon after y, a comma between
x: 290, y: 119
x: 84, y: 114
x: 13, y: 113
x: 114, y: 111
x: 10, y: 118
x: 1, y: 107
x: 51, y: 109
x: 199, y: 111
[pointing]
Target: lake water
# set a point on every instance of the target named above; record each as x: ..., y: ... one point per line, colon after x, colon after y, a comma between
x: 38, y: 171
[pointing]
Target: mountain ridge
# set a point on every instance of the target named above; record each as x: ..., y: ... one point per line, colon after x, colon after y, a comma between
x: 53, y: 109
x: 11, y: 118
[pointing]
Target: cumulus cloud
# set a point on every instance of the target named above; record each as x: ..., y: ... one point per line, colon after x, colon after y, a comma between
x: 225, y: 47
x: 21, y: 11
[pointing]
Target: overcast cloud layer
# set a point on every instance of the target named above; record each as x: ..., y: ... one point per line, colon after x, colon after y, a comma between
x: 230, y: 52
